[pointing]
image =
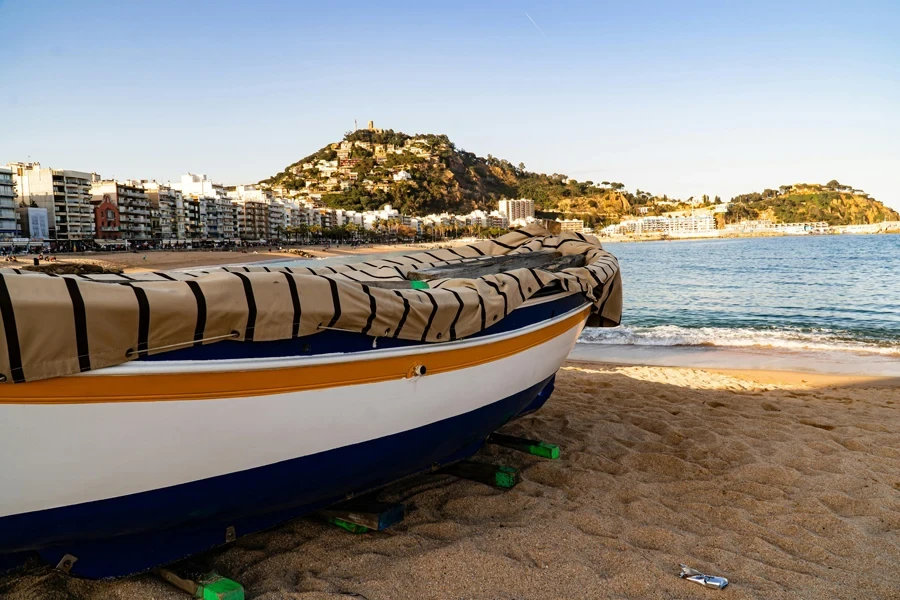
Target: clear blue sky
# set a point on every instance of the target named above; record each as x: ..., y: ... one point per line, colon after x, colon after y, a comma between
x: 683, y: 98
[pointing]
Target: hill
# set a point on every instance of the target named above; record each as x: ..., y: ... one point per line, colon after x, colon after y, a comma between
x: 426, y: 173
x: 832, y: 203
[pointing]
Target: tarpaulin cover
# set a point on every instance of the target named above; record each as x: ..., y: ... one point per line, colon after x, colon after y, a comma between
x: 61, y: 325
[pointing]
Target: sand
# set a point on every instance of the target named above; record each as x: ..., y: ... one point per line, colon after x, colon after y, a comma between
x: 786, y: 484
x: 160, y: 260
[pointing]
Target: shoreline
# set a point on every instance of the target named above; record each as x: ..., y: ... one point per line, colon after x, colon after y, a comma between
x: 762, y: 377
x: 728, y: 236
x: 843, y: 363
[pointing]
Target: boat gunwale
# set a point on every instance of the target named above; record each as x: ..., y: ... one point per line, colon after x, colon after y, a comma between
x: 298, y: 360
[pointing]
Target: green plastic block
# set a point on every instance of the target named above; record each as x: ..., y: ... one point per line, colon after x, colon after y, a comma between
x: 544, y: 450
x: 419, y: 285
x: 351, y: 527
x: 505, y: 477
x: 220, y: 588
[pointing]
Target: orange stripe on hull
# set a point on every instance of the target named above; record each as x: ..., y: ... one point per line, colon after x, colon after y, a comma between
x: 241, y: 384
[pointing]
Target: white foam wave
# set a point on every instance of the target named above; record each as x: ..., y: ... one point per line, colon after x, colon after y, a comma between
x: 673, y: 335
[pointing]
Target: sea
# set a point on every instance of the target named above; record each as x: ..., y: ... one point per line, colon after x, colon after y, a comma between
x: 827, y: 303
x: 819, y: 303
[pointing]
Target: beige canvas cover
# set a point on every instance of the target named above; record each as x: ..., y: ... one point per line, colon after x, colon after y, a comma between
x: 60, y: 325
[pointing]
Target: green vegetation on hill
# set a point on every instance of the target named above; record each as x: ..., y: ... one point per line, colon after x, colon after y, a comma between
x: 439, y: 177
x: 831, y: 203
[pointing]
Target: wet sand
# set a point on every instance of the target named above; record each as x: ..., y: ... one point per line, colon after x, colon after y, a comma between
x: 786, y: 484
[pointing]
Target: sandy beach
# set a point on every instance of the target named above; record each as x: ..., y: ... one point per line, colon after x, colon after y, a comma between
x: 788, y: 484
x: 159, y: 260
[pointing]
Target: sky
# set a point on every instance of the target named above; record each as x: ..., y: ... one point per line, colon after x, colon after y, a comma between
x: 679, y: 98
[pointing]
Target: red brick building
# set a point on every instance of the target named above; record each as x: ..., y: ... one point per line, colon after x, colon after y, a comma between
x: 106, y: 219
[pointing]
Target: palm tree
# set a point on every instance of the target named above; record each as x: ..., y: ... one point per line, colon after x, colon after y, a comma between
x: 303, y: 230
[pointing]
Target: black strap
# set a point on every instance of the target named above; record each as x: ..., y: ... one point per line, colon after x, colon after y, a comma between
x: 81, y: 333
x: 12, y: 334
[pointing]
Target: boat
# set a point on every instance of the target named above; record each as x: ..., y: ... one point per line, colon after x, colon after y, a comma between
x: 148, y: 417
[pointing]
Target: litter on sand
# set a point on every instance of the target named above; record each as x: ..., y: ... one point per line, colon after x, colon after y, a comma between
x: 696, y: 576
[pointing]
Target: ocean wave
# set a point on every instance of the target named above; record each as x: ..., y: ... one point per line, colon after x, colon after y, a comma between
x: 788, y: 339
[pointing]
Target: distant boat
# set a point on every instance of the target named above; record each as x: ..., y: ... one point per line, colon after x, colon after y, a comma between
x: 137, y: 464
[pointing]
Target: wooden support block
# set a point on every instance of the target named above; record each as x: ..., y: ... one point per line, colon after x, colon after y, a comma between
x: 495, y: 475
x: 351, y: 527
x: 364, y: 514
x: 209, y: 586
x: 534, y: 447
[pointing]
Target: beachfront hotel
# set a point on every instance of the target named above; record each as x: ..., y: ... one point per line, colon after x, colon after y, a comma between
x: 663, y: 225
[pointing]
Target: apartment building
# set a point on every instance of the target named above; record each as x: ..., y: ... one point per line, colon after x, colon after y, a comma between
x: 106, y: 220
x: 522, y: 208
x: 571, y: 225
x: 34, y: 223
x: 65, y: 194
x: 166, y: 210
x: 665, y: 225
x: 198, y: 185
x: 276, y: 224
x: 133, y: 204
x: 7, y: 204
x: 194, y: 218
x: 208, y: 211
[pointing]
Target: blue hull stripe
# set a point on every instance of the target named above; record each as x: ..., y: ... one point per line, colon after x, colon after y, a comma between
x: 134, y: 533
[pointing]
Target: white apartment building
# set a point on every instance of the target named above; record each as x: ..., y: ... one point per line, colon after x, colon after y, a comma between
x: 517, y: 209
x: 667, y: 225
x: 7, y: 204
x: 249, y: 193
x: 198, y: 185
x: 276, y: 225
x: 133, y: 204
x: 209, y: 213
x: 64, y: 193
